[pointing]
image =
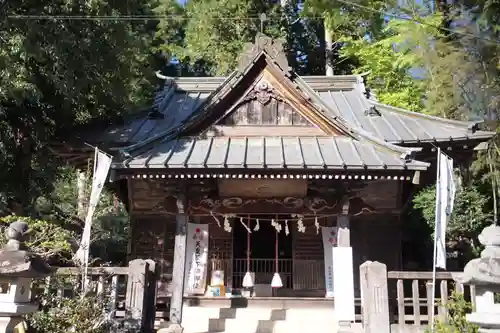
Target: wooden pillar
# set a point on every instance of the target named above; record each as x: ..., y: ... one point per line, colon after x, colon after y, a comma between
x: 343, y: 273
x: 176, y: 301
x: 343, y: 231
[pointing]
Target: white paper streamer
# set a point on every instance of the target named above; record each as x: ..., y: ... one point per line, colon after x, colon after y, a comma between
x: 300, y: 225
x: 245, y: 226
x: 257, y: 226
x: 215, y: 218
x: 227, y: 225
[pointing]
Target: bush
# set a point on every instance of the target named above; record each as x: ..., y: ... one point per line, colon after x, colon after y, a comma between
x: 47, y: 239
x: 63, y: 315
x: 457, y: 308
x: 70, y: 310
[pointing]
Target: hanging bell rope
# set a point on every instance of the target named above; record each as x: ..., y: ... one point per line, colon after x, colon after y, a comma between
x: 247, y: 279
x: 276, y: 281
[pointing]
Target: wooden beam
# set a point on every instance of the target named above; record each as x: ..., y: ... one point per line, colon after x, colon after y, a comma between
x: 178, y: 267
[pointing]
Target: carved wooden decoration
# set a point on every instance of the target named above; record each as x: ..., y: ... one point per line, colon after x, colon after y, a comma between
x: 262, y: 188
x: 262, y: 92
x: 259, y: 196
x: 287, y: 205
x: 273, y: 48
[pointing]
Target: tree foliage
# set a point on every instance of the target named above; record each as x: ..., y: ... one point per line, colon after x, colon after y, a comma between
x: 470, y: 214
x: 457, y: 307
x: 70, y: 314
x: 57, y: 73
x: 48, y: 239
x: 110, y: 226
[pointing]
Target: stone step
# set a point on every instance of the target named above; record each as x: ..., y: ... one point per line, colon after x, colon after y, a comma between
x: 230, y: 313
x: 241, y: 325
x: 258, y: 320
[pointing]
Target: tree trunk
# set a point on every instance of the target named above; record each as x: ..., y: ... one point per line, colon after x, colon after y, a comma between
x: 328, y: 51
x: 443, y: 7
x: 82, y: 198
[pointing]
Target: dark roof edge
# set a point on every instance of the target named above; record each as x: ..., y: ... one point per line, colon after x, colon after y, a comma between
x: 481, y: 135
x: 465, y: 124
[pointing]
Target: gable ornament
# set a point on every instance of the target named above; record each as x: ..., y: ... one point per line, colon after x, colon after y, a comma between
x: 273, y: 48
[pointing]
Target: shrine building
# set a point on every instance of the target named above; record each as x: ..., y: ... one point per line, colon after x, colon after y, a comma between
x: 265, y: 161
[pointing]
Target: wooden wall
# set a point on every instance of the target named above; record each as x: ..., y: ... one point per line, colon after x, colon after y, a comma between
x: 274, y: 112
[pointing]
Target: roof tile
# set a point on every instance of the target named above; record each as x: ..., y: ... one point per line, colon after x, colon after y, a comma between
x: 330, y: 153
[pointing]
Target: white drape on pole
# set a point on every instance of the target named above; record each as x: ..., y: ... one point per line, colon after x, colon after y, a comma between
x: 102, y: 164
x: 445, y: 197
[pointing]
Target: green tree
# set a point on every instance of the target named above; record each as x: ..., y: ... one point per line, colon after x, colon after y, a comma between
x: 213, y: 32
x: 344, y: 19
x: 470, y: 215
x: 389, y: 70
x: 110, y: 226
x: 48, y: 239
x: 57, y: 73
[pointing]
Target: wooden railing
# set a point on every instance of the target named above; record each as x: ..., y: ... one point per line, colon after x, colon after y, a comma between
x: 410, y: 295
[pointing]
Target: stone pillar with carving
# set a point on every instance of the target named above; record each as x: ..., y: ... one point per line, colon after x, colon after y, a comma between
x: 484, y: 274
x: 18, y: 268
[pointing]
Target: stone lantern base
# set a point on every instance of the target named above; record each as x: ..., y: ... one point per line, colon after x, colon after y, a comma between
x: 488, y: 322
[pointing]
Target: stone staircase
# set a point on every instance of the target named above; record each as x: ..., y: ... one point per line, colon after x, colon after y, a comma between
x: 273, y: 318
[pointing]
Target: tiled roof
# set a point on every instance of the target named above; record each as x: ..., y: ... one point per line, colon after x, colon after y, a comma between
x: 393, y: 124
x: 326, y: 153
x: 344, y: 95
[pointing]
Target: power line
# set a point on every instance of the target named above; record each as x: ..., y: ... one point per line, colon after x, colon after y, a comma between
x: 114, y: 17
x: 417, y: 21
x: 249, y: 18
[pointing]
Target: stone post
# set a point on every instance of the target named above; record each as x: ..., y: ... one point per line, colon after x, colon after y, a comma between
x: 136, y: 296
x: 484, y: 274
x: 18, y: 268
x: 374, y: 297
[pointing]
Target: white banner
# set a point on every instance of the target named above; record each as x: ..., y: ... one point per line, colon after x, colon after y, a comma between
x: 445, y: 196
x: 196, y: 259
x: 329, y: 235
x: 102, y: 164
